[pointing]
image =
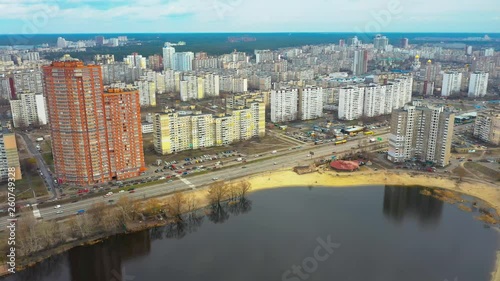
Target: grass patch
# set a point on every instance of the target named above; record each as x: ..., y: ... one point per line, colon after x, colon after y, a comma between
x: 26, y: 186
x: 48, y: 158
x: 483, y: 170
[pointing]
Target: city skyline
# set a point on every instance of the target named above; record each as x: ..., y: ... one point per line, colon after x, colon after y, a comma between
x: 88, y: 16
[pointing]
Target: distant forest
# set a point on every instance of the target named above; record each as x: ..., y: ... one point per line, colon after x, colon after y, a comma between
x: 217, y: 43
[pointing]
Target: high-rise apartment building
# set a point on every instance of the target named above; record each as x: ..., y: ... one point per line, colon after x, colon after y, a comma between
x: 487, y: 127
x: 28, y: 109
x: 135, y: 60
x: 351, y: 103
x: 189, y: 87
x: 168, y: 56
x: 82, y: 121
x: 29, y: 80
x: 78, y: 126
x: 123, y: 122
x: 233, y: 84
x: 155, y: 62
x: 174, y: 132
x: 380, y: 42
x: 147, y: 92
x: 9, y: 156
x: 120, y: 72
x: 374, y: 99
x: 404, y: 43
x: 360, y: 62
x: 310, y: 103
x: 478, y: 84
x: 183, y: 61
x: 263, y: 56
x: 104, y: 59
x: 61, y: 43
x: 284, y: 105
x: 354, y: 41
x: 421, y: 133
x: 452, y: 81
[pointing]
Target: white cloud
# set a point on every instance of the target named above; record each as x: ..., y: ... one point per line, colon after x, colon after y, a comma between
x: 255, y: 15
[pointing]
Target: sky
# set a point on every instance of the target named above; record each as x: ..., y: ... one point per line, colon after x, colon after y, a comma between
x: 167, y: 16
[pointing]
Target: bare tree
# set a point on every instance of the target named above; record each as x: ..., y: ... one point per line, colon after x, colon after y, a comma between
x: 96, y: 213
x: 243, y: 188
x: 176, y: 206
x: 152, y: 207
x: 217, y: 192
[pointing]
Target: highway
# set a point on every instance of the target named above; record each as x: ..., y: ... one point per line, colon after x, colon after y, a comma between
x: 284, y: 159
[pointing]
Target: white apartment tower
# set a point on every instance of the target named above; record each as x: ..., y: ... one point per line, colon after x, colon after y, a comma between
x: 478, y: 84
x: 351, y: 102
x: 452, y: 80
x: 25, y: 112
x: 375, y: 101
x: 284, y: 105
x: 487, y: 127
x: 168, y: 56
x: 183, y: 61
x: 310, y: 103
x: 147, y: 92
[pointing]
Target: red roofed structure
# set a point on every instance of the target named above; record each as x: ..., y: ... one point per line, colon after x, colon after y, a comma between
x: 341, y: 165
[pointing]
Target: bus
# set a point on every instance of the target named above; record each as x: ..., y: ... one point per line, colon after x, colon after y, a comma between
x: 340, y: 142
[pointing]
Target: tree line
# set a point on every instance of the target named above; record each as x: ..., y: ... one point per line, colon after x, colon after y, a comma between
x: 178, y: 210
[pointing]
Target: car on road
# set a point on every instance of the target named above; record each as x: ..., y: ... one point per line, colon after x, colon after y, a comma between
x: 111, y: 201
x: 214, y: 179
x: 131, y: 191
x: 121, y: 191
x: 243, y: 167
x: 57, y: 206
x: 60, y: 212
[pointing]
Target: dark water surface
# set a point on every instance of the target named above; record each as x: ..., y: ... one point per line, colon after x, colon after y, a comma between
x: 376, y: 234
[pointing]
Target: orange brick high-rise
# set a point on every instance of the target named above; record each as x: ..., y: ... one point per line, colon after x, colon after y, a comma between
x: 79, y: 126
x: 123, y: 118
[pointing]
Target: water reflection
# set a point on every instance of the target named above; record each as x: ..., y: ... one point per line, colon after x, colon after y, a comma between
x: 408, y: 202
x: 279, y: 229
x: 103, y: 261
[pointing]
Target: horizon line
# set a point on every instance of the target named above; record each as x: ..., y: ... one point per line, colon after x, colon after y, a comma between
x: 261, y: 32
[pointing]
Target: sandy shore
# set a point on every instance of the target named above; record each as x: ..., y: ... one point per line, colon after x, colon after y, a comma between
x: 490, y: 193
x: 285, y: 178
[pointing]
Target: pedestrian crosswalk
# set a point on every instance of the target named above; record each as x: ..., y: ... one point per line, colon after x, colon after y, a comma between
x: 36, y: 212
x: 188, y: 183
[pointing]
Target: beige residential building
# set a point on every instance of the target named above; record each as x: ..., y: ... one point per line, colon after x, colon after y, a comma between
x: 421, y: 133
x: 487, y: 127
x: 174, y: 132
x: 9, y: 157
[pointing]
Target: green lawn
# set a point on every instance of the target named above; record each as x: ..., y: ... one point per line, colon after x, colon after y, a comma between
x: 48, y: 158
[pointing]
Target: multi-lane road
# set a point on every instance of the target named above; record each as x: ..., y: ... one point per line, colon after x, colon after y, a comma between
x: 49, y: 182
x: 283, y: 159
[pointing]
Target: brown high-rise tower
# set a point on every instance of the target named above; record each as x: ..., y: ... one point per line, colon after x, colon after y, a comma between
x: 123, y: 117
x: 79, y: 126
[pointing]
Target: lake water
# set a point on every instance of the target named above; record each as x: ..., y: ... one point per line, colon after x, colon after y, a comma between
x: 352, y: 234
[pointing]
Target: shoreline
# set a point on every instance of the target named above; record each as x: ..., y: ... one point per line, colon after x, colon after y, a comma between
x: 488, y: 193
